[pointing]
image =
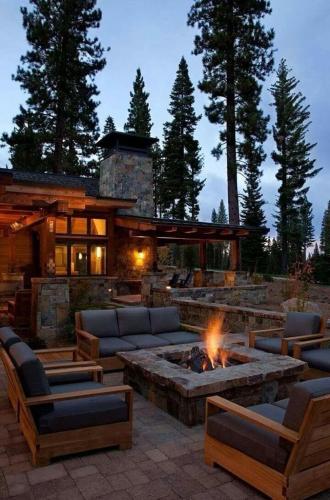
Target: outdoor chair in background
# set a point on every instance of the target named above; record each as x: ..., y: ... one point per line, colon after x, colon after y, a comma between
x: 19, y: 309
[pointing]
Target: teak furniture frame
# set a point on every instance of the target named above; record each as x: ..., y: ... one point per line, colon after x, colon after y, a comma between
x: 88, y: 345
x: 44, y: 447
x: 307, y: 471
x: 297, y: 348
x: 279, y: 332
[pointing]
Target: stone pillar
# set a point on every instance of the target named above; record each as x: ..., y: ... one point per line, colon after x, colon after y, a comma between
x: 149, y: 281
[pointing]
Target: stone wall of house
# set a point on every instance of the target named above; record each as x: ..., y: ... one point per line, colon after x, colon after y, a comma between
x: 236, y: 319
x: 134, y: 256
x: 128, y: 175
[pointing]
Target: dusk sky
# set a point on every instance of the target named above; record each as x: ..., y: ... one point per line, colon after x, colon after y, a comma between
x: 153, y: 35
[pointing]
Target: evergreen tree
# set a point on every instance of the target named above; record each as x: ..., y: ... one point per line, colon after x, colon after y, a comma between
x: 214, y: 216
x: 182, y: 157
x: 236, y: 49
x: 222, y: 213
x: 109, y: 126
x: 139, y: 118
x: 316, y: 252
x: 58, y: 73
x: 292, y: 155
x: 157, y: 172
x: 325, y: 232
x: 306, y: 225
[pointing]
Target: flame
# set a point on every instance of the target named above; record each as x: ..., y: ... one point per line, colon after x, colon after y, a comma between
x: 214, y: 341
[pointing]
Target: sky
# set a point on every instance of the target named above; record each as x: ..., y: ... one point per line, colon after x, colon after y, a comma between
x: 153, y: 35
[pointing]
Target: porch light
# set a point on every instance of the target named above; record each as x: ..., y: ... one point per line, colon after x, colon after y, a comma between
x: 80, y: 256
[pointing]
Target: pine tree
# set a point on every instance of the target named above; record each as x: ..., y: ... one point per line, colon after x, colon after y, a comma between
x: 109, y: 126
x: 253, y: 129
x: 306, y: 225
x: 157, y: 172
x: 316, y: 252
x: 292, y: 155
x: 139, y: 118
x: 236, y: 49
x: 182, y: 157
x: 325, y: 232
x: 58, y: 73
x: 214, y: 216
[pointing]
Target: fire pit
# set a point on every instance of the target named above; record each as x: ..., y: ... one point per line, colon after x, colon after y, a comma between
x: 247, y: 376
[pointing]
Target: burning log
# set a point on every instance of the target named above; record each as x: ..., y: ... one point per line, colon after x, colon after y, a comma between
x: 199, y: 361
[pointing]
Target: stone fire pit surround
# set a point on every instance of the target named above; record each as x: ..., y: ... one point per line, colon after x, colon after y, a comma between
x: 262, y: 378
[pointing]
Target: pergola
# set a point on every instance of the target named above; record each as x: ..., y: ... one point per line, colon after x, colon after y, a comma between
x: 166, y: 231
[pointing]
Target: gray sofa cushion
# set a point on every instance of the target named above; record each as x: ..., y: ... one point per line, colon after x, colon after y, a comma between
x: 283, y: 403
x: 80, y: 413
x: 69, y: 378
x: 77, y: 386
x: 145, y: 341
x: 271, y: 345
x: 317, y: 358
x: 30, y: 370
x: 249, y: 438
x: 301, y: 323
x: 100, y: 322
x: 300, y: 397
x: 164, y: 319
x: 109, y: 347
x: 8, y: 337
x: 133, y: 320
x: 180, y: 337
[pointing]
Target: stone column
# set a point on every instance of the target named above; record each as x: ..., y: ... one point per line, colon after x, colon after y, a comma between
x: 149, y: 281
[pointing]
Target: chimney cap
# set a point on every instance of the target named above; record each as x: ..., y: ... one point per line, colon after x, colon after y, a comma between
x: 122, y: 140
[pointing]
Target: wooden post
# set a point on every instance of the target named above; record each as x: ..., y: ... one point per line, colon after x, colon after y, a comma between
x: 202, y: 255
x: 47, y: 246
x: 235, y: 255
x: 153, y: 252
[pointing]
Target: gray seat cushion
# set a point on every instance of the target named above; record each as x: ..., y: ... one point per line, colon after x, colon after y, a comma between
x: 180, y: 337
x: 30, y: 370
x: 133, y: 321
x: 77, y: 386
x: 84, y: 412
x: 109, y: 347
x: 100, y: 322
x: 8, y: 337
x: 301, y: 395
x: 317, y: 358
x: 301, y: 323
x: 283, y: 403
x: 249, y: 438
x: 145, y: 341
x: 164, y: 319
x: 271, y: 345
x: 70, y: 378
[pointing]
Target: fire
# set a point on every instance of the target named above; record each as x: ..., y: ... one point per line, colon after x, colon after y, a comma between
x: 214, y: 341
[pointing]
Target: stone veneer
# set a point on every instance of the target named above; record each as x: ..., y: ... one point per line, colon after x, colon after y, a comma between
x: 53, y: 298
x: 263, y: 378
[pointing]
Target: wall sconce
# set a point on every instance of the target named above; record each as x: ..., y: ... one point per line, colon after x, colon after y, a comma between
x: 80, y: 256
x: 139, y: 256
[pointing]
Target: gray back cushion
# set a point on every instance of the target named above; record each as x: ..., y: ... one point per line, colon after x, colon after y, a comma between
x: 100, y: 322
x: 30, y: 370
x: 301, y: 323
x: 300, y: 397
x: 8, y: 337
x: 164, y: 319
x: 133, y: 320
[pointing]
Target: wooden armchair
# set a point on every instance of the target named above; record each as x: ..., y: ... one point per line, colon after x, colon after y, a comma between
x: 286, y: 456
x: 316, y: 353
x: 19, y: 309
x: 52, y: 429
x: 299, y: 326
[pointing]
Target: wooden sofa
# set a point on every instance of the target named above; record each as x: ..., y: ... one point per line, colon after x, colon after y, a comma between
x: 66, y: 418
x: 103, y: 333
x: 282, y: 449
x: 298, y: 326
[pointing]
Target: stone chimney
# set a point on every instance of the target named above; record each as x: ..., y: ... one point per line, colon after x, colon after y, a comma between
x: 126, y: 171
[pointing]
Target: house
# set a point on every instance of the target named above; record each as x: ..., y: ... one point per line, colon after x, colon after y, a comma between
x: 59, y: 232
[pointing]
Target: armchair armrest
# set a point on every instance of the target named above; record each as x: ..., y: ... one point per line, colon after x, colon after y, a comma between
x: 52, y: 398
x: 96, y: 370
x: 54, y: 365
x: 57, y: 350
x: 286, y: 340
x: 192, y: 328
x: 270, y: 332
x: 254, y: 418
x: 309, y: 343
x: 11, y: 306
x: 87, y: 344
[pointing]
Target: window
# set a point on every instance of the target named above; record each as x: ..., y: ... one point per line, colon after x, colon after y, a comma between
x: 98, y: 227
x: 78, y: 225
x: 98, y: 259
x: 61, y: 260
x: 78, y: 260
x: 61, y: 225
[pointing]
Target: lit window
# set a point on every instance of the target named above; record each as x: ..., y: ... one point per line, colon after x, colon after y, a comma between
x: 61, y: 225
x: 98, y: 259
x: 61, y: 262
x: 78, y: 260
x: 78, y: 225
x: 98, y: 227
